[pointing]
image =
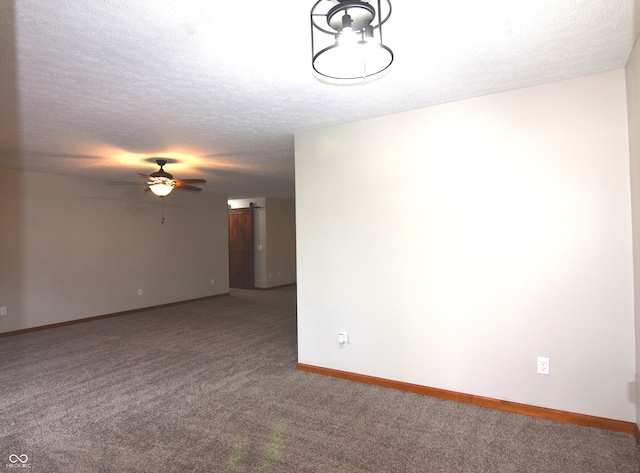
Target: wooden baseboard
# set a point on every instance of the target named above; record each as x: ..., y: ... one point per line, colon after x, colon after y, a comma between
x: 507, y: 406
x: 105, y: 316
x: 636, y: 433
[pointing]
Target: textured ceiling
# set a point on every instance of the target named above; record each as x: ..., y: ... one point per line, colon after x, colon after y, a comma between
x: 95, y: 88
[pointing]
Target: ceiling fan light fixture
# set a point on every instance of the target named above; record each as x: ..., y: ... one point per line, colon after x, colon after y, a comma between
x: 343, y: 36
x: 161, y: 183
x: 162, y: 188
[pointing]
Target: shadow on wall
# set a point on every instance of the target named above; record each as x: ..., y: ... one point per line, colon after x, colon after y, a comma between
x: 11, y: 184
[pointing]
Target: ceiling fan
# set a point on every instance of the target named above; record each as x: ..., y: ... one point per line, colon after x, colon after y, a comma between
x: 161, y: 183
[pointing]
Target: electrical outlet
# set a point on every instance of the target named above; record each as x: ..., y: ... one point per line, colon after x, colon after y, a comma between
x: 3, y: 310
x: 140, y: 291
x: 543, y: 365
x: 213, y: 281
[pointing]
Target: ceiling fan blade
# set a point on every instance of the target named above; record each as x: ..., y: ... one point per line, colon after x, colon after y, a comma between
x: 127, y: 183
x: 190, y: 181
x: 187, y: 187
x: 146, y: 176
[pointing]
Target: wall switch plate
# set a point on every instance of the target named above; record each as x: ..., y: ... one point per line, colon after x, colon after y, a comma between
x: 3, y: 310
x: 543, y: 365
x: 343, y: 339
x: 140, y: 291
x: 213, y: 281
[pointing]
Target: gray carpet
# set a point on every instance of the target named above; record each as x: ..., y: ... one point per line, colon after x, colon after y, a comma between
x: 211, y: 386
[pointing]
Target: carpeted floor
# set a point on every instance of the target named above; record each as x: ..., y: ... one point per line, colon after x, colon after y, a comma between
x: 211, y: 386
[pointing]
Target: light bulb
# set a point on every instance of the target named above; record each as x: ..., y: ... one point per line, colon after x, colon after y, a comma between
x: 368, y: 33
x: 346, y: 36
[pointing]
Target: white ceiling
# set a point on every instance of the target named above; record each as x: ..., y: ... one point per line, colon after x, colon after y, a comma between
x: 95, y: 88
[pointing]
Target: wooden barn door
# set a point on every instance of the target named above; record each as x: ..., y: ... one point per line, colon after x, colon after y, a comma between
x: 241, y: 248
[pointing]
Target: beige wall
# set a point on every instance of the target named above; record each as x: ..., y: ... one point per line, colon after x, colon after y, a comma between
x: 633, y: 110
x: 457, y: 243
x: 281, y: 242
x: 79, y: 248
x: 274, y: 240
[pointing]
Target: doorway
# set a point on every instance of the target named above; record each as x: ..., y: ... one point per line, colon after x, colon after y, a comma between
x: 241, y: 249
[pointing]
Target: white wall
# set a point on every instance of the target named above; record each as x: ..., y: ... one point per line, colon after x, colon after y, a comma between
x: 77, y: 248
x: 274, y: 239
x: 633, y: 111
x: 458, y: 242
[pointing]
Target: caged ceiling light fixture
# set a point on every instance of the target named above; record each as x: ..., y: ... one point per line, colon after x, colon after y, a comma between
x: 346, y: 39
